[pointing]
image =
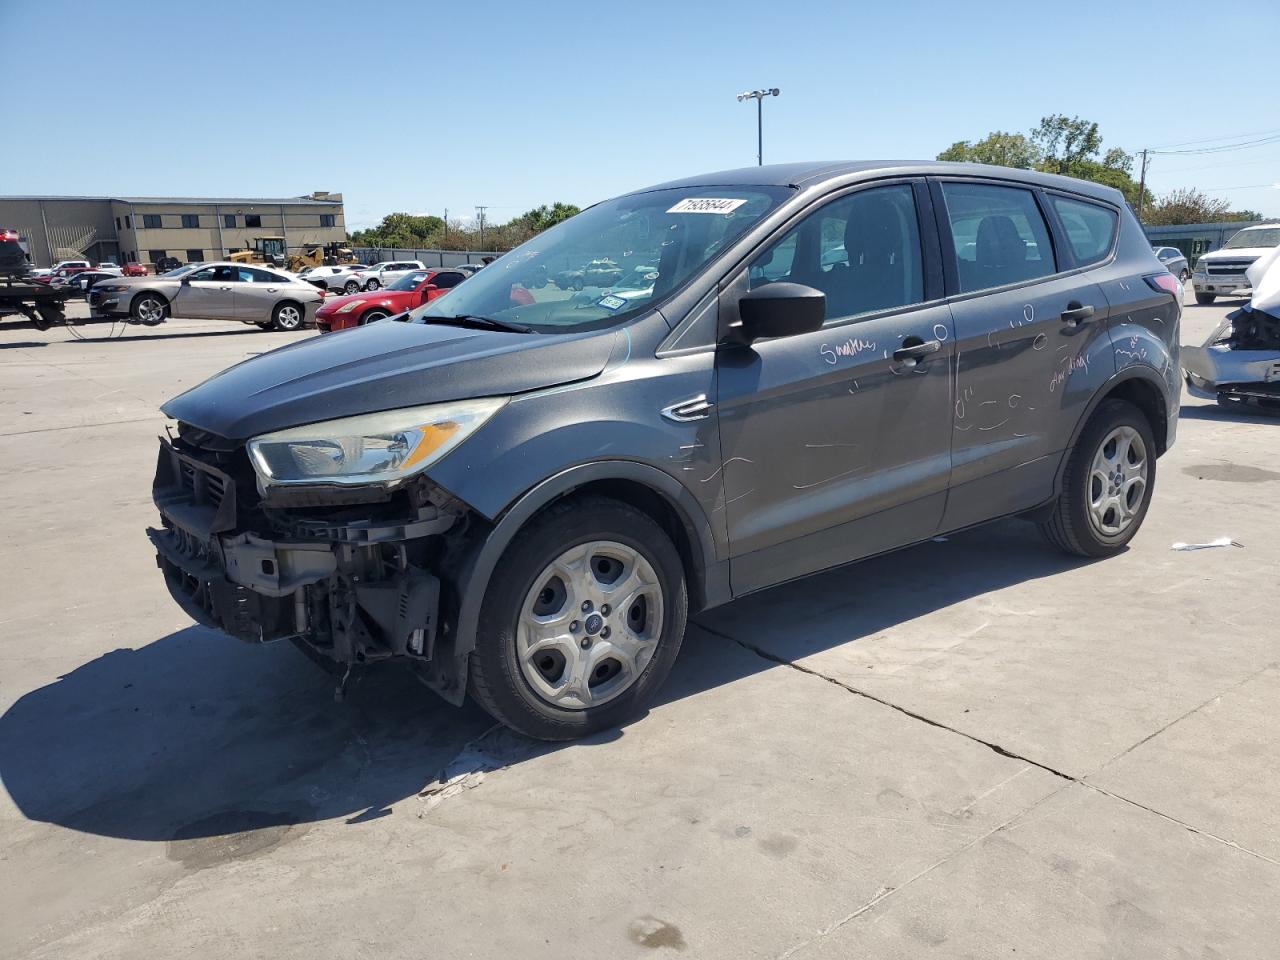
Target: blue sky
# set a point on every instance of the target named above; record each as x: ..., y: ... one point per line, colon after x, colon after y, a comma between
x: 417, y: 106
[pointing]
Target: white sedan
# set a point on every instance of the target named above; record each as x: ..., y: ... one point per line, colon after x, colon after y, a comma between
x: 344, y: 278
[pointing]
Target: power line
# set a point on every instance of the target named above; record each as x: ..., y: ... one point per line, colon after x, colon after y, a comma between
x: 1234, y: 136
x: 1225, y: 148
x: 1247, y: 186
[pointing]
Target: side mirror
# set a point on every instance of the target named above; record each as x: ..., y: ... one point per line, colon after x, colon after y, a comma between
x: 186, y: 281
x: 781, y: 310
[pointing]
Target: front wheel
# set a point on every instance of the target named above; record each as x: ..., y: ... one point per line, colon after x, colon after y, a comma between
x: 350, y: 287
x: 287, y: 317
x: 1204, y: 299
x: 1182, y: 277
x: 583, y: 619
x: 373, y: 316
x: 372, y: 284
x: 149, y: 309
x: 1107, y: 487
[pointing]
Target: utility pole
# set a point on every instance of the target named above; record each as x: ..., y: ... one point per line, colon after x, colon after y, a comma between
x: 758, y: 96
x: 480, y: 216
x: 446, y: 226
x: 1142, y: 185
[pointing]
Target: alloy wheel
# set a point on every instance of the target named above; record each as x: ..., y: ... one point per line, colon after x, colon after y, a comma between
x: 589, y: 625
x: 288, y: 317
x: 150, y: 310
x: 1117, y: 481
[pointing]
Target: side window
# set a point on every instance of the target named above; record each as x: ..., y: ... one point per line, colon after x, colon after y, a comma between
x: 150, y: 221
x: 190, y: 220
x: 205, y: 274
x: 1090, y: 229
x: 446, y: 280
x: 252, y: 220
x: 1000, y: 235
x: 862, y: 251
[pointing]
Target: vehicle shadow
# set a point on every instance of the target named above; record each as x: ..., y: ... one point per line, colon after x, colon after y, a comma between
x: 1250, y: 414
x: 194, y: 735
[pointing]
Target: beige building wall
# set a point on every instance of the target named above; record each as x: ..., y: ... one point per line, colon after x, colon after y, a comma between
x: 140, y: 230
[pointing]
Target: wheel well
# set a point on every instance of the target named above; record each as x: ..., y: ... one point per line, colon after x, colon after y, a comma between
x: 364, y: 317
x: 661, y: 511
x: 1147, y: 398
x: 155, y: 293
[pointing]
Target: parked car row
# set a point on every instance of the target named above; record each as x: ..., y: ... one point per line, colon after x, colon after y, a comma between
x: 351, y: 278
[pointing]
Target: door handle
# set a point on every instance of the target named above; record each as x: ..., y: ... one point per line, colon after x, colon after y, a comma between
x: 1076, y: 314
x: 915, y: 351
x: 224, y: 288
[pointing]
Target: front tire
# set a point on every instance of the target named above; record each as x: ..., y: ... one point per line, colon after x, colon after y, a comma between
x: 373, y: 284
x: 373, y: 316
x: 1182, y: 276
x: 350, y: 287
x: 1110, y: 475
x: 149, y: 309
x: 582, y: 622
x: 287, y: 317
x: 1204, y: 299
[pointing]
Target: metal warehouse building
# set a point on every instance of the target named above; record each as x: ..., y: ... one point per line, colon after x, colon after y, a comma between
x: 149, y: 228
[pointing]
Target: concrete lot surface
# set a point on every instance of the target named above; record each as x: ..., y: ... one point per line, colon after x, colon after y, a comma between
x: 972, y: 748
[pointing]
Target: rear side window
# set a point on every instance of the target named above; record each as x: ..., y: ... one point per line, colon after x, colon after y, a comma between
x: 1000, y: 235
x: 862, y: 251
x: 1090, y: 229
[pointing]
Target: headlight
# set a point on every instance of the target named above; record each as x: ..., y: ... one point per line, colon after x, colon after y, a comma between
x: 348, y: 307
x: 373, y: 448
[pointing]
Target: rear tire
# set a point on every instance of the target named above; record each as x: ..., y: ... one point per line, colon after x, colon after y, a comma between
x: 596, y: 667
x: 1100, y: 511
x: 287, y: 317
x: 1204, y: 299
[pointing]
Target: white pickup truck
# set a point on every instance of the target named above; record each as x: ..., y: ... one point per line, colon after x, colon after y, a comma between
x: 1222, y: 272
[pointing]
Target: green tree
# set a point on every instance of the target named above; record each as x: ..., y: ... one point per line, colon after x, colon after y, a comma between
x: 1065, y: 142
x: 1192, y: 206
x: 999, y: 148
x: 540, y: 218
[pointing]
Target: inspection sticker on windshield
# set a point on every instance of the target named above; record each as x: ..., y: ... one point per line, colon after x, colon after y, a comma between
x: 611, y: 302
x: 706, y: 205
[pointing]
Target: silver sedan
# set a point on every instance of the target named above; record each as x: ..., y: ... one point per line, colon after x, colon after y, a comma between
x: 213, y: 291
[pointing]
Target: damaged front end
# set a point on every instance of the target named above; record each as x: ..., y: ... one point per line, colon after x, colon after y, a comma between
x: 349, y: 574
x: 1240, y: 362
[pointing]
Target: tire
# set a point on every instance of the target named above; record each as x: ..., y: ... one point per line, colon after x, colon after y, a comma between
x: 350, y: 287
x: 288, y: 316
x: 523, y: 694
x: 577, y: 283
x: 1074, y: 524
x: 373, y: 316
x: 1182, y: 276
x: 149, y: 309
x: 1204, y: 299
x: 373, y: 284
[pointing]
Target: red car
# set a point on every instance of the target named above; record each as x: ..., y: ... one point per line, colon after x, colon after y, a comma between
x: 411, y: 290
x: 134, y: 269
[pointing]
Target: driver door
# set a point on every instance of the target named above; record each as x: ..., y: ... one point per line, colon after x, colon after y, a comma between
x: 208, y: 293
x: 836, y: 443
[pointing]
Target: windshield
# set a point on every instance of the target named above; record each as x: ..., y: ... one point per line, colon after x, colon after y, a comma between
x: 611, y: 261
x: 409, y: 281
x: 1254, y: 238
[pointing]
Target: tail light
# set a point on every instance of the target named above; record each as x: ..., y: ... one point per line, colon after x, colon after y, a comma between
x: 1165, y: 283
x: 9, y: 235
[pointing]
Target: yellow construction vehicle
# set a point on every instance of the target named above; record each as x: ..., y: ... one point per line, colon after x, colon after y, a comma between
x: 265, y: 250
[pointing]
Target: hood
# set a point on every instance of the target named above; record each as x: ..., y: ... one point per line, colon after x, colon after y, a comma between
x: 381, y: 367
x: 389, y: 297
x: 1237, y: 253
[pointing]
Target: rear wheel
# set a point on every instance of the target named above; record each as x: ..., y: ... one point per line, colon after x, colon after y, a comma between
x: 287, y: 316
x: 1107, y: 486
x: 582, y: 622
x: 149, y: 309
x: 1204, y: 299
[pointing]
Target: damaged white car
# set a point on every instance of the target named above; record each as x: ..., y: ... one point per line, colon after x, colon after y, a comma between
x: 1240, y: 362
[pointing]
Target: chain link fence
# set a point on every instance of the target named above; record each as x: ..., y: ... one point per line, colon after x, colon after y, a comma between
x: 430, y: 258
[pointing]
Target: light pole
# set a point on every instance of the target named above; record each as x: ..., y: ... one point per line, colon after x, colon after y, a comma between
x: 758, y: 96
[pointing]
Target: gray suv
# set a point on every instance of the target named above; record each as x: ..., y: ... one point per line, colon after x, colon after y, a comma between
x: 521, y: 492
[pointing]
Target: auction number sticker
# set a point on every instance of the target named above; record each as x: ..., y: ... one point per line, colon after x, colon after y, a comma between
x: 611, y: 302
x: 706, y: 205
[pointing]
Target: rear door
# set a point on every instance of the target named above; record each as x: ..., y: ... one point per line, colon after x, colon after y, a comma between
x: 836, y: 443
x: 1031, y: 346
x: 257, y: 294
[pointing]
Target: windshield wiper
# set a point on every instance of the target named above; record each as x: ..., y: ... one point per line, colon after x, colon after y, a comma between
x: 482, y: 323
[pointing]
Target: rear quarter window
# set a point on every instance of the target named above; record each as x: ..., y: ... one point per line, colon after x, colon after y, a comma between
x: 1090, y: 229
